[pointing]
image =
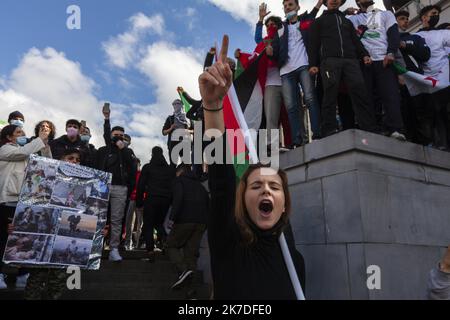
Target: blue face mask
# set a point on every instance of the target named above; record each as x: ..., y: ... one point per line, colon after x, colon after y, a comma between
x: 21, y: 141
x: 18, y: 123
x: 85, y: 138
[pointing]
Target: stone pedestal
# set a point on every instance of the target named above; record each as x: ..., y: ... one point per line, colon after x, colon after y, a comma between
x: 361, y: 199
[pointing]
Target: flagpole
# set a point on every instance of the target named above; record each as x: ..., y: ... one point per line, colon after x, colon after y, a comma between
x: 291, y: 268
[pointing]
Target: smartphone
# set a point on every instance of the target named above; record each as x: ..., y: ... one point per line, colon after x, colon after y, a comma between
x: 106, y: 107
x: 83, y: 123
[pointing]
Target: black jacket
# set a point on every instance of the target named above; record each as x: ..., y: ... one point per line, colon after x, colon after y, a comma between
x: 60, y: 145
x: 118, y: 162
x: 190, y: 200
x: 280, y: 44
x: 156, y: 180
x: 416, y: 51
x: 256, y: 272
x: 333, y: 35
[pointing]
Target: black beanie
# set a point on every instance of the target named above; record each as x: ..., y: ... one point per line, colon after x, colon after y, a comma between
x: 15, y: 114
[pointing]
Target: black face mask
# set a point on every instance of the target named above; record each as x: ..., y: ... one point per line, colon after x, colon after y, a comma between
x: 114, y: 140
x: 433, y: 21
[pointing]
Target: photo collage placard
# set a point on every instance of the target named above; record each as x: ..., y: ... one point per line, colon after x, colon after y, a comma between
x: 60, y: 216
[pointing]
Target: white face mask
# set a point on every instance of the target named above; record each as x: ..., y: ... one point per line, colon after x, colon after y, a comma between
x: 17, y: 122
x: 290, y: 14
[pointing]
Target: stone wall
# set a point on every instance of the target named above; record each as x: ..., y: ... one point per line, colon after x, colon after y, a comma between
x: 361, y: 199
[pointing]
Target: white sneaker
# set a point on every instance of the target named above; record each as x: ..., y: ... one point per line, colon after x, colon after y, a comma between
x: 114, y: 255
x: 183, y: 276
x: 21, y: 281
x: 2, y: 282
x: 397, y: 135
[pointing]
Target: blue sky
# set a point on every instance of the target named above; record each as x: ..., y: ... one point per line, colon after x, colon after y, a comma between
x: 133, y: 53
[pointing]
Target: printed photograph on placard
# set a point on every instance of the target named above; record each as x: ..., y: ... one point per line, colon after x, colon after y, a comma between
x: 96, y: 207
x: 77, y: 225
x: 35, y: 219
x: 71, y: 251
x: 100, y: 189
x: 28, y: 248
x: 70, y: 195
x: 38, y: 183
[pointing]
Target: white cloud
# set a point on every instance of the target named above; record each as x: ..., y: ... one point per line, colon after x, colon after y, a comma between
x: 247, y: 10
x: 122, y: 49
x: 167, y: 67
x: 47, y: 85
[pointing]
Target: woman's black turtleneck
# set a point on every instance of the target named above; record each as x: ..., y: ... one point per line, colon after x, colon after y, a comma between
x: 254, y: 272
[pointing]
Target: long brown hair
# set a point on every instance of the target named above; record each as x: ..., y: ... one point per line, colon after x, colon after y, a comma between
x: 241, y: 214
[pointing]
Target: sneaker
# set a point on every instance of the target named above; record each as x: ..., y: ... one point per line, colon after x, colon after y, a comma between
x: 183, y: 276
x: 283, y: 149
x: 2, y: 282
x: 21, y: 281
x: 114, y: 255
x: 397, y: 135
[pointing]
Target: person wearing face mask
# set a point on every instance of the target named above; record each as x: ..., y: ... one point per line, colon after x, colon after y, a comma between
x: 289, y: 50
x: 273, y: 94
x: 85, y: 136
x: 177, y: 120
x: 437, y: 67
x: 71, y: 140
x: 115, y: 158
x: 379, y: 34
x: 16, y: 118
x: 14, y: 155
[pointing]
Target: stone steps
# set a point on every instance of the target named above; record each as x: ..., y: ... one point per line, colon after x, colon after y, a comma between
x: 131, y: 279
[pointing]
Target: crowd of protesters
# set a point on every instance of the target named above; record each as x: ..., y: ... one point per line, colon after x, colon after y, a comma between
x: 329, y: 73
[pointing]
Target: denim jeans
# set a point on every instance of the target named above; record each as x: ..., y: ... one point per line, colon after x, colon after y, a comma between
x: 291, y: 96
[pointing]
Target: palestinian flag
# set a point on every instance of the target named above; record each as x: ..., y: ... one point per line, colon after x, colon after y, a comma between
x: 187, y: 106
x: 418, y: 83
x: 243, y: 108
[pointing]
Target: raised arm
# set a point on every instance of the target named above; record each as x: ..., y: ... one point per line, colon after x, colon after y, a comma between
x: 214, y: 85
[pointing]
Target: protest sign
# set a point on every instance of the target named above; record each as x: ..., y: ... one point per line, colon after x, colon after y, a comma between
x: 60, y: 216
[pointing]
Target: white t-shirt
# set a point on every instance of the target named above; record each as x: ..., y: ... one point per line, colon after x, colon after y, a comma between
x: 273, y: 77
x: 375, y: 38
x: 438, y: 65
x: 296, y: 51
